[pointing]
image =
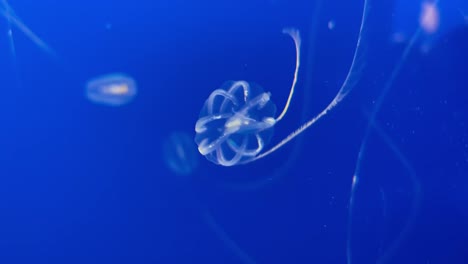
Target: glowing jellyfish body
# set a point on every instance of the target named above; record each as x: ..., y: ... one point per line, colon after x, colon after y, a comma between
x: 228, y: 132
x: 180, y: 153
x: 235, y: 123
x: 113, y: 89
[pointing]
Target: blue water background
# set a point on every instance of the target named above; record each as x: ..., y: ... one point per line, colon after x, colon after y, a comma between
x: 86, y: 183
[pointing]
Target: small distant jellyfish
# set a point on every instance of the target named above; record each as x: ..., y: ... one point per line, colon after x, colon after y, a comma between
x: 429, y: 18
x: 180, y: 153
x: 113, y: 90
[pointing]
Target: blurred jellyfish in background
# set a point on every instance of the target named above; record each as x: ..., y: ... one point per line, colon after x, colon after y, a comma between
x: 180, y: 153
x: 429, y: 18
x: 113, y: 89
x: 433, y: 17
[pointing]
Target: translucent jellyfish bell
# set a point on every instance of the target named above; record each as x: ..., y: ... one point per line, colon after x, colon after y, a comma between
x: 216, y: 129
x: 220, y: 130
x: 113, y: 89
x: 235, y: 123
x: 240, y: 122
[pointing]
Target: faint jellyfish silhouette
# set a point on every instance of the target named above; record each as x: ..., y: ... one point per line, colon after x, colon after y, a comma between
x: 429, y: 19
x: 113, y: 90
x: 180, y: 154
x: 435, y: 20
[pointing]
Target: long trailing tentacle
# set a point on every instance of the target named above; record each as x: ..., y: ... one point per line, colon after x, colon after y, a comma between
x: 346, y: 87
x: 295, y: 35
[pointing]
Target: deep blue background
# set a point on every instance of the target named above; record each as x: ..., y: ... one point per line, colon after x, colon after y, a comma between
x: 86, y: 183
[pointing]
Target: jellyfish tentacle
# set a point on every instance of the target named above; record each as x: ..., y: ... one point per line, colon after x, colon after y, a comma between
x: 12, y: 19
x: 232, y: 90
x: 259, y: 101
x: 417, y: 191
x: 206, y: 148
x: 222, y: 93
x: 346, y: 87
x: 372, y: 124
x: 249, y: 153
x: 237, y: 156
x: 295, y: 35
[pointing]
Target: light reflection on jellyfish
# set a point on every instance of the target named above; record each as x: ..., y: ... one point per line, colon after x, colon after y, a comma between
x: 233, y: 122
x: 113, y: 89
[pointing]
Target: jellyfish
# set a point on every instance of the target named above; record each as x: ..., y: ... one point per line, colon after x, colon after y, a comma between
x: 431, y: 14
x: 247, y: 114
x: 231, y: 124
x: 226, y: 127
x: 234, y: 127
x: 180, y: 153
x: 237, y: 120
x: 113, y: 89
